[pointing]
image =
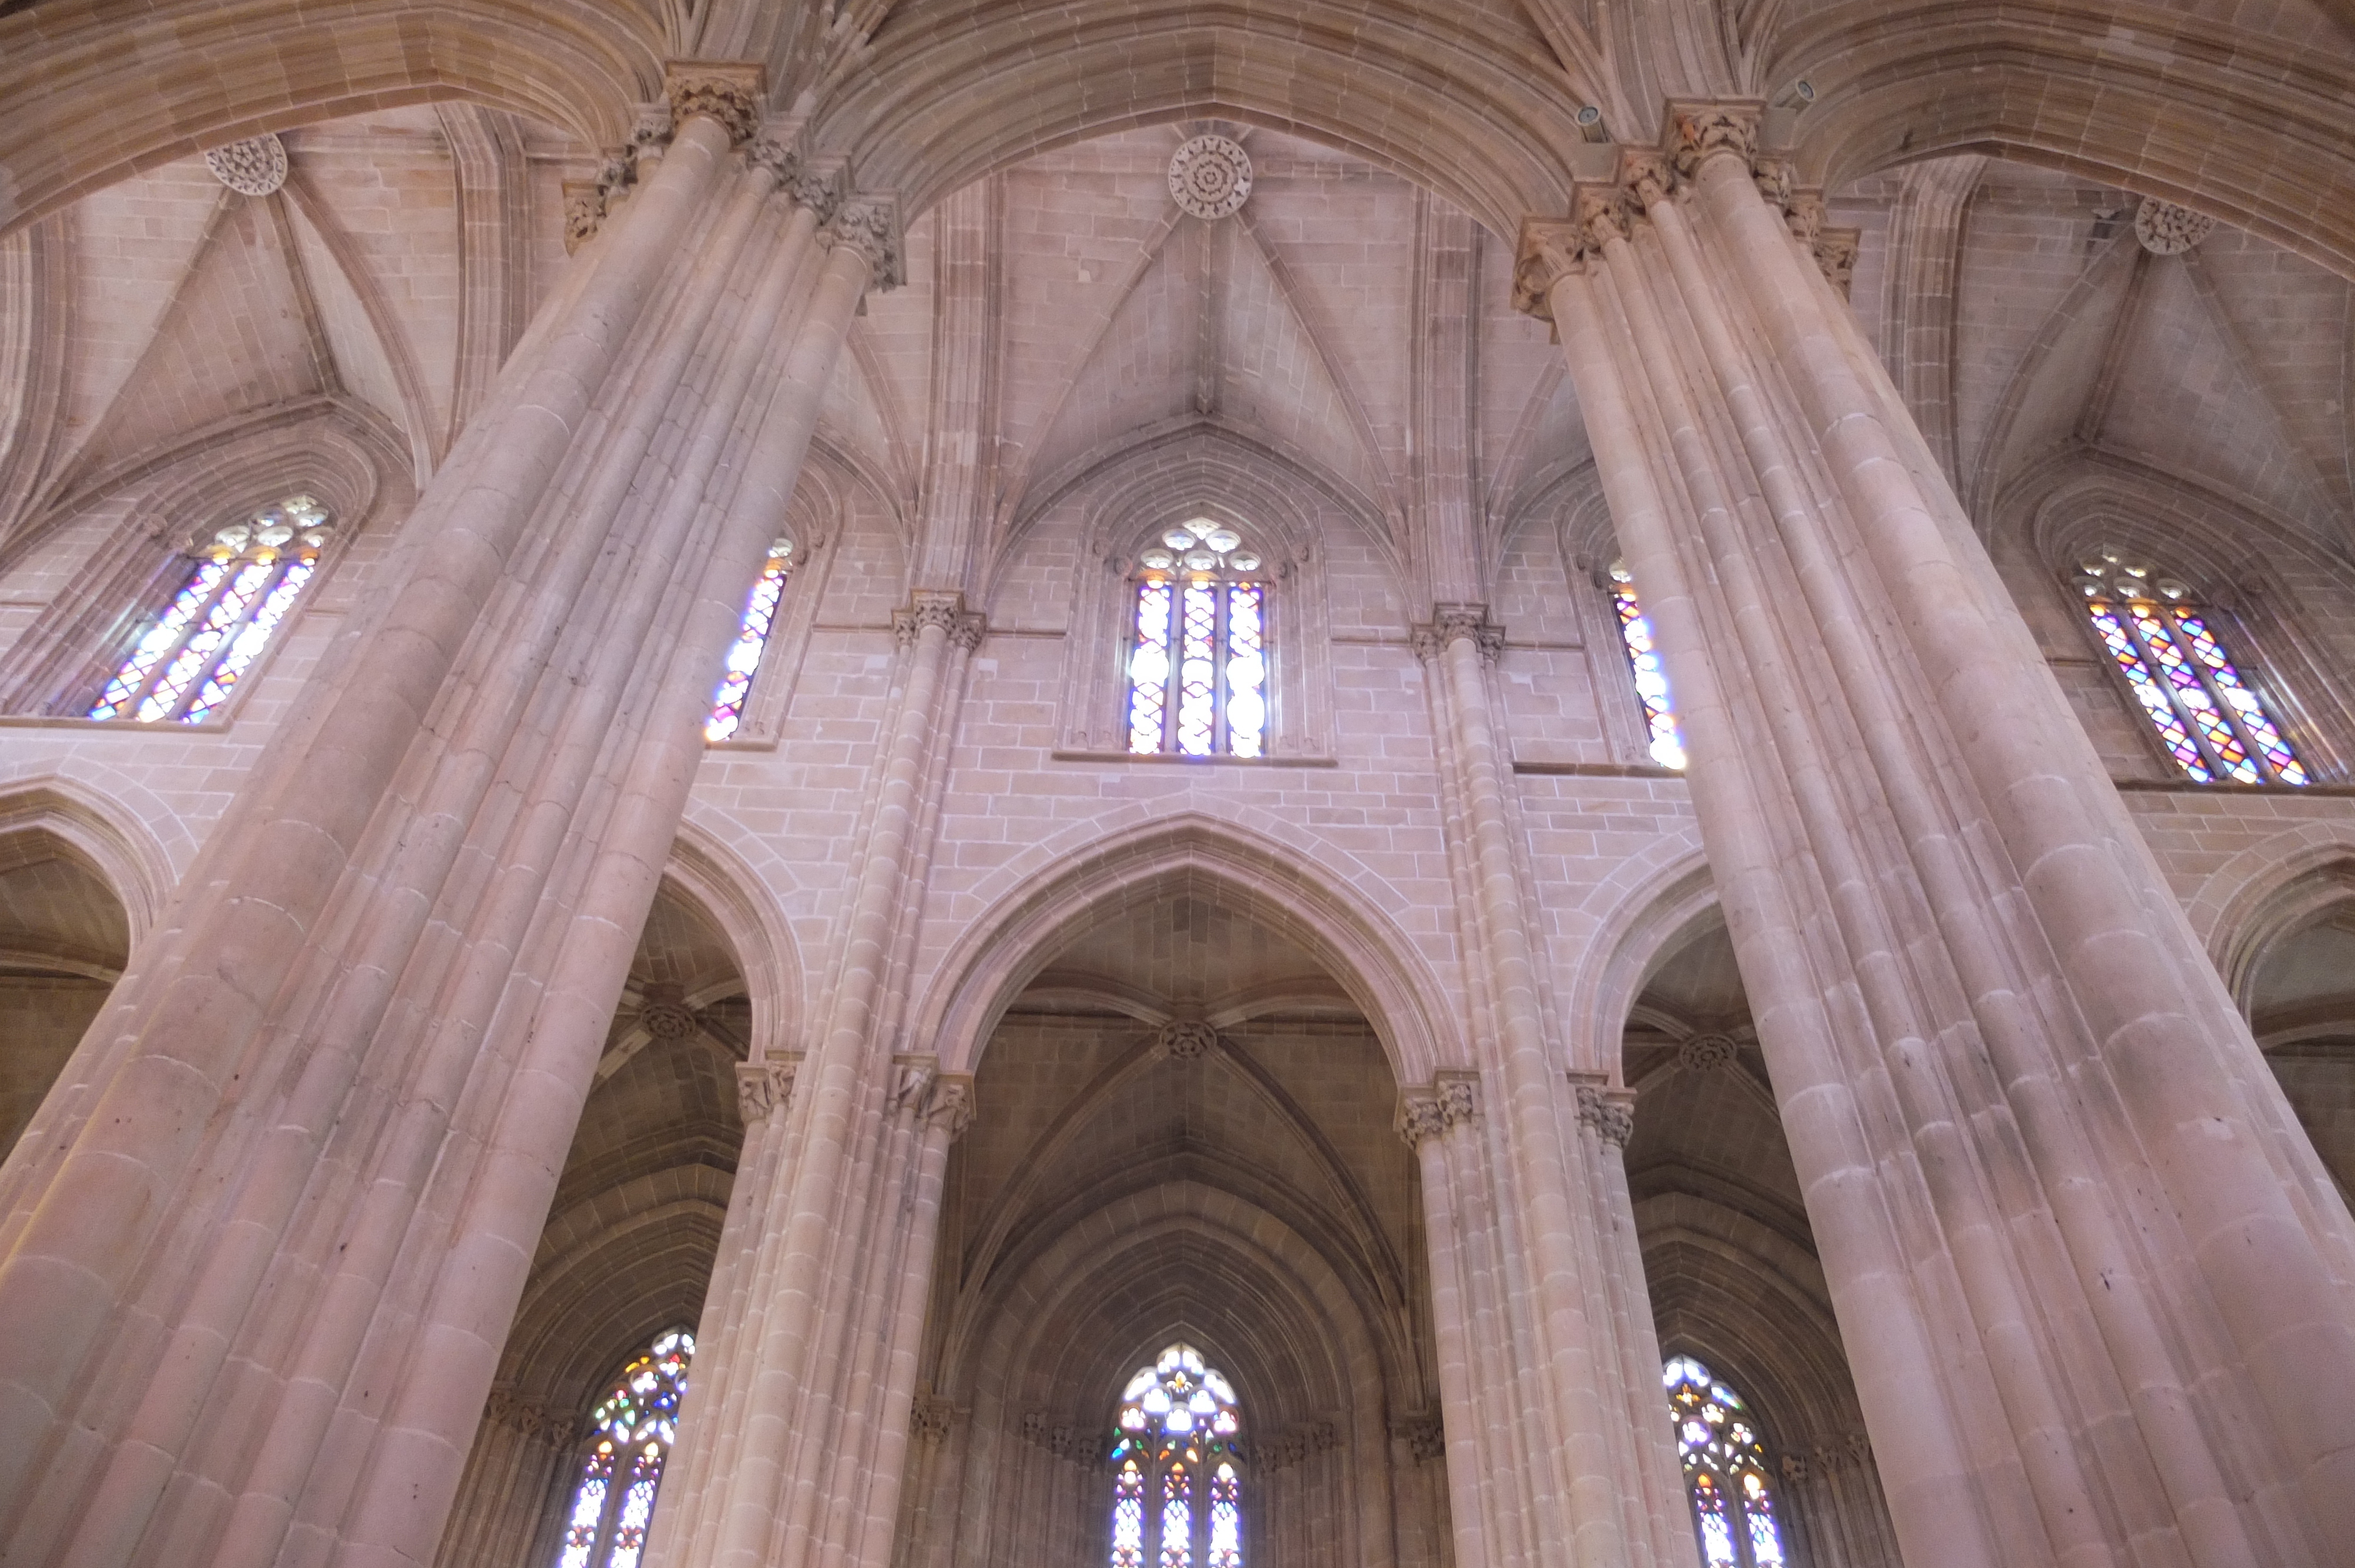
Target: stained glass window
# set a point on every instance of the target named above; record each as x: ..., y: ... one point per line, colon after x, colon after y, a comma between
x: 1668, y: 741
x: 1735, y: 1511
x: 1197, y: 646
x: 752, y: 639
x: 1177, y: 1444
x: 633, y: 1429
x: 2206, y: 716
x: 192, y: 655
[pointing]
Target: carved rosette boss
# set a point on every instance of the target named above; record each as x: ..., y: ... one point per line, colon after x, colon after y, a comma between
x: 1211, y: 177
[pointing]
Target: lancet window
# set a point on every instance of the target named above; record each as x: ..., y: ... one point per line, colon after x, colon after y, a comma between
x: 751, y: 641
x: 2206, y: 715
x: 633, y: 1427
x: 1667, y: 738
x: 1734, y: 1508
x: 1198, y: 645
x: 202, y: 642
x: 1177, y: 1461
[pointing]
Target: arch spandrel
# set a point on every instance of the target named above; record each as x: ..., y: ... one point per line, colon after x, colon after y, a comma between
x: 1055, y: 891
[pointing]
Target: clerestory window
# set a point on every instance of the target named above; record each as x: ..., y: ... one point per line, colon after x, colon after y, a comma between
x: 633, y: 1429
x: 1198, y: 645
x: 751, y: 640
x: 2208, y: 716
x: 1176, y: 1459
x: 1667, y: 738
x: 202, y: 642
x: 1734, y: 1508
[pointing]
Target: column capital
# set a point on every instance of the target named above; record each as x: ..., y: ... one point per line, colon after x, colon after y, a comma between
x: 1419, y: 1118
x: 766, y: 1086
x: 519, y: 1412
x: 1449, y: 622
x: 1697, y: 130
x: 1551, y: 249
x: 730, y: 92
x: 870, y: 226
x: 911, y: 1082
x: 932, y: 1419
x: 950, y: 1105
x: 1459, y: 1097
x: 1449, y: 1100
x: 942, y: 607
x: 1609, y: 1114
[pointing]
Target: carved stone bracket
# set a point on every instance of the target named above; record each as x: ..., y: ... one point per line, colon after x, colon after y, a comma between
x: 1607, y: 1113
x: 945, y: 611
x: 766, y: 1086
x: 1450, y: 621
x: 730, y: 92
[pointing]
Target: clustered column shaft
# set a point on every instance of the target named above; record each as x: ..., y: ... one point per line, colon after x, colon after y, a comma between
x: 1977, y: 998
x: 328, y: 1124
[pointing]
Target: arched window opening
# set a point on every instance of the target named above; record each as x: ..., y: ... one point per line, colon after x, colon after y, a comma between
x: 634, y: 1425
x: 1667, y: 740
x: 751, y: 640
x: 2207, y: 716
x: 1177, y: 1456
x: 188, y: 660
x: 1734, y: 1508
x: 1199, y: 646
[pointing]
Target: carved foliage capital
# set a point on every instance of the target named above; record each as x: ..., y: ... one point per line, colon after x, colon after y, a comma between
x: 1453, y: 622
x: 531, y: 1417
x: 730, y: 92
x: 1420, y: 1118
x: 870, y: 226
x: 947, y: 610
x: 1607, y: 1114
x: 1700, y: 130
x: 950, y: 1104
x: 931, y: 1420
x: 1551, y: 249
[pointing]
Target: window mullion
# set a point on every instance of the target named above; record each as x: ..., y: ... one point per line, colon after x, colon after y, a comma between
x: 2127, y: 617
x: 1222, y: 739
x: 163, y: 666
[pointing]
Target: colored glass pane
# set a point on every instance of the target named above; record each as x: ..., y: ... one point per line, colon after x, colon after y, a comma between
x: 2206, y: 714
x: 1734, y: 1510
x: 187, y: 663
x: 636, y: 1423
x: 1176, y: 1442
x: 1667, y: 740
x: 1196, y: 667
x: 751, y: 640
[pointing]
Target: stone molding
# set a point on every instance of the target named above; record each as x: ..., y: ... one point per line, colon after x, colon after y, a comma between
x: 1450, y: 622
x: 732, y: 92
x: 1609, y: 1114
x: 766, y: 1086
x: 944, y: 610
x: 1695, y: 132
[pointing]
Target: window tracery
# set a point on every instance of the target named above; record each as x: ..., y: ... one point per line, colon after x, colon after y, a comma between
x: 1735, y: 1510
x: 189, y: 660
x: 2205, y: 714
x: 635, y: 1426
x: 751, y: 640
x: 1198, y: 645
x: 1667, y: 737
x: 1178, y: 1467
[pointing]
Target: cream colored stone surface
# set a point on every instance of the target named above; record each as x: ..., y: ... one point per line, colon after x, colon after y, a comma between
x: 385, y: 1060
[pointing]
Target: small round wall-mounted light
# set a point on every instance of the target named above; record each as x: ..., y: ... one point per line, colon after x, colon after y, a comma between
x: 1806, y: 90
x: 1589, y: 115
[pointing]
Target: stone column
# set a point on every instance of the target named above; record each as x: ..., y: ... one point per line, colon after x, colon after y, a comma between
x: 521, y: 1462
x: 1657, y: 1510
x: 818, y: 1384
x: 341, y: 1091
x: 2097, y: 1313
x: 1542, y: 1243
x: 1425, y: 1116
